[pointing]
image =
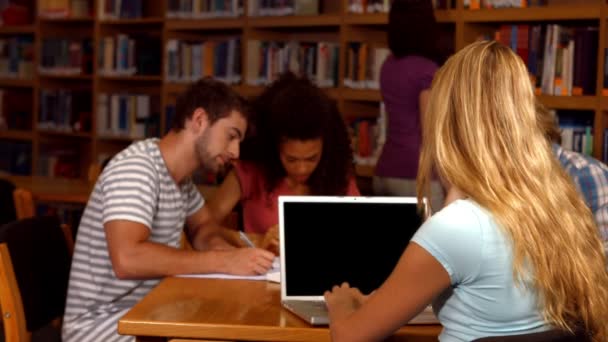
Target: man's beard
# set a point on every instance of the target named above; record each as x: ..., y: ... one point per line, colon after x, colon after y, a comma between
x: 207, y: 161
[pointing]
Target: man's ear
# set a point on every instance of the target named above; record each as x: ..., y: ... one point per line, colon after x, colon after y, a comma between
x: 200, y: 120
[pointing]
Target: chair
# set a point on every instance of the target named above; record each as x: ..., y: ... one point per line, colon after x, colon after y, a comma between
x: 35, y: 258
x: 24, y: 203
x: 7, y: 203
x: 545, y: 336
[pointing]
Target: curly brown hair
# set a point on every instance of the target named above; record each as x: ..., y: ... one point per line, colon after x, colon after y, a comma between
x: 293, y: 108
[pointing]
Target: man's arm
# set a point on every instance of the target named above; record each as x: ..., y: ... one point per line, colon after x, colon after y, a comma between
x: 203, y: 227
x: 134, y: 257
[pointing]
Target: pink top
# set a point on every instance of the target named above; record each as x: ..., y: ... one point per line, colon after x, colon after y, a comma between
x: 261, y: 210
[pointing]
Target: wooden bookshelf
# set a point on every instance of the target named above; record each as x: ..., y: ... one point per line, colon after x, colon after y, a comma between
x: 333, y: 24
x: 16, y: 83
x: 295, y: 21
x: 12, y: 30
x: 536, y: 14
x: 16, y: 135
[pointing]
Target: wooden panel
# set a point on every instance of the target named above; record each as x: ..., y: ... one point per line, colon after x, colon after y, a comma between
x: 569, y: 102
x: 574, y: 12
x: 295, y: 21
x: 207, y: 24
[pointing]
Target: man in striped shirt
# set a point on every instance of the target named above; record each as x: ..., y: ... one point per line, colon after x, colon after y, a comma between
x: 129, y: 234
x: 590, y: 176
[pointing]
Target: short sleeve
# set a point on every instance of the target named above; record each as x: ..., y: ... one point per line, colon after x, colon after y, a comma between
x: 352, y: 189
x: 426, y: 76
x: 195, y: 200
x: 453, y: 236
x: 130, y: 190
x: 247, y: 174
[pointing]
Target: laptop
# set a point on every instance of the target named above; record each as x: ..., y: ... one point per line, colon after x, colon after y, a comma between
x: 326, y: 240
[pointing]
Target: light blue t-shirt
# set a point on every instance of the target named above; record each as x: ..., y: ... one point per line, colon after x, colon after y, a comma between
x: 484, y: 299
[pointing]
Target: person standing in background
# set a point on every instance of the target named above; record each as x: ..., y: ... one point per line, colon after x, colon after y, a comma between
x: 405, y: 80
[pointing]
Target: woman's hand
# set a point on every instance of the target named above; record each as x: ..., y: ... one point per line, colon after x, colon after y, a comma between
x: 343, y: 300
x: 270, y: 241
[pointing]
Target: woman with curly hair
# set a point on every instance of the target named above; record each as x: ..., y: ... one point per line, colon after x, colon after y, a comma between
x: 515, y: 250
x: 298, y: 145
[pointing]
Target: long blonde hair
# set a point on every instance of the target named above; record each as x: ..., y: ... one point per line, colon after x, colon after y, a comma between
x: 481, y: 135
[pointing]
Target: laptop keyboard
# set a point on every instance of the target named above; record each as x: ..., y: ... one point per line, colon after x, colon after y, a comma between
x: 311, y: 308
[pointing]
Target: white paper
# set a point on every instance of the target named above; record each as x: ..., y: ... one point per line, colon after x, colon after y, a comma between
x: 273, y: 275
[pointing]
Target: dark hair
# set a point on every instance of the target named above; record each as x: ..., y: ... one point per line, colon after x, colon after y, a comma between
x: 412, y: 29
x: 294, y: 108
x: 215, y: 97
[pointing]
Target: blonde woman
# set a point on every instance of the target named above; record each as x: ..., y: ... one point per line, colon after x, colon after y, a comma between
x: 515, y: 250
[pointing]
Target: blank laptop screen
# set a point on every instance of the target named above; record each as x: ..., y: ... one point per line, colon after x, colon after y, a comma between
x: 329, y: 243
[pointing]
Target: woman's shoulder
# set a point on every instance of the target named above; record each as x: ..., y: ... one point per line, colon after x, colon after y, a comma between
x: 410, y: 61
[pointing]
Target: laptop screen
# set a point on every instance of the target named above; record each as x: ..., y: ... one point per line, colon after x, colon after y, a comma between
x: 353, y: 240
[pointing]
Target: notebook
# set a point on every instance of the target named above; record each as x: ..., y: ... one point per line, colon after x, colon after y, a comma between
x: 325, y: 241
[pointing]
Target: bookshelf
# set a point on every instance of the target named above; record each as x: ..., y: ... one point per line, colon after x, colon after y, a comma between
x: 334, y: 25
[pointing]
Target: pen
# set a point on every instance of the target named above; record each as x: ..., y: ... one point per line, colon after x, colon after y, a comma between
x: 246, y: 239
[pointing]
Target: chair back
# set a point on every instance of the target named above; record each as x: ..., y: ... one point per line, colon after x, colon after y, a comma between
x: 7, y: 202
x: 34, y: 272
x: 24, y: 203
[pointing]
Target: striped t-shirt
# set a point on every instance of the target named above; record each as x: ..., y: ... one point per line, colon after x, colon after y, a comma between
x: 135, y: 186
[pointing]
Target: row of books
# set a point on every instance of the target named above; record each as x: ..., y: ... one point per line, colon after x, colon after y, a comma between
x: 490, y: 4
x: 127, y: 115
x: 66, y: 56
x: 282, y: 7
x: 120, y: 9
x: 383, y: 6
x: 64, y: 8
x: 63, y: 110
x: 125, y: 55
x: 15, y: 109
x: 16, y: 12
x: 17, y: 57
x: 188, y: 61
x: 368, y: 137
x: 16, y: 157
x: 197, y: 9
x: 58, y: 162
x: 363, y: 64
x: 268, y: 59
x: 560, y: 59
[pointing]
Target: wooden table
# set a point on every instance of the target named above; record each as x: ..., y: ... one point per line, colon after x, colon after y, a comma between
x: 187, y: 309
x: 62, y: 190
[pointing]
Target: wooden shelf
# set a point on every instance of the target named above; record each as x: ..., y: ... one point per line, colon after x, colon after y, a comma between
x: 134, y: 21
x: 65, y: 76
x: 604, y: 103
x: 25, y: 29
x: 578, y: 12
x: 65, y: 134
x: 134, y: 78
x: 16, y: 83
x: 361, y: 94
x: 569, y: 102
x: 16, y: 135
x: 204, y: 24
x: 442, y: 16
x: 295, y: 21
x: 74, y: 20
x: 365, y: 170
x: 109, y: 138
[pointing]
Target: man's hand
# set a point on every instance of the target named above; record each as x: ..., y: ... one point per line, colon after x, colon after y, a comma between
x: 247, y: 261
x: 271, y: 240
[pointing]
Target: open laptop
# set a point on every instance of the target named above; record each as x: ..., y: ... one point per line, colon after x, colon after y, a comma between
x: 325, y: 241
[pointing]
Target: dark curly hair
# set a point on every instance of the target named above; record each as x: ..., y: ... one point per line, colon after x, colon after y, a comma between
x: 293, y: 108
